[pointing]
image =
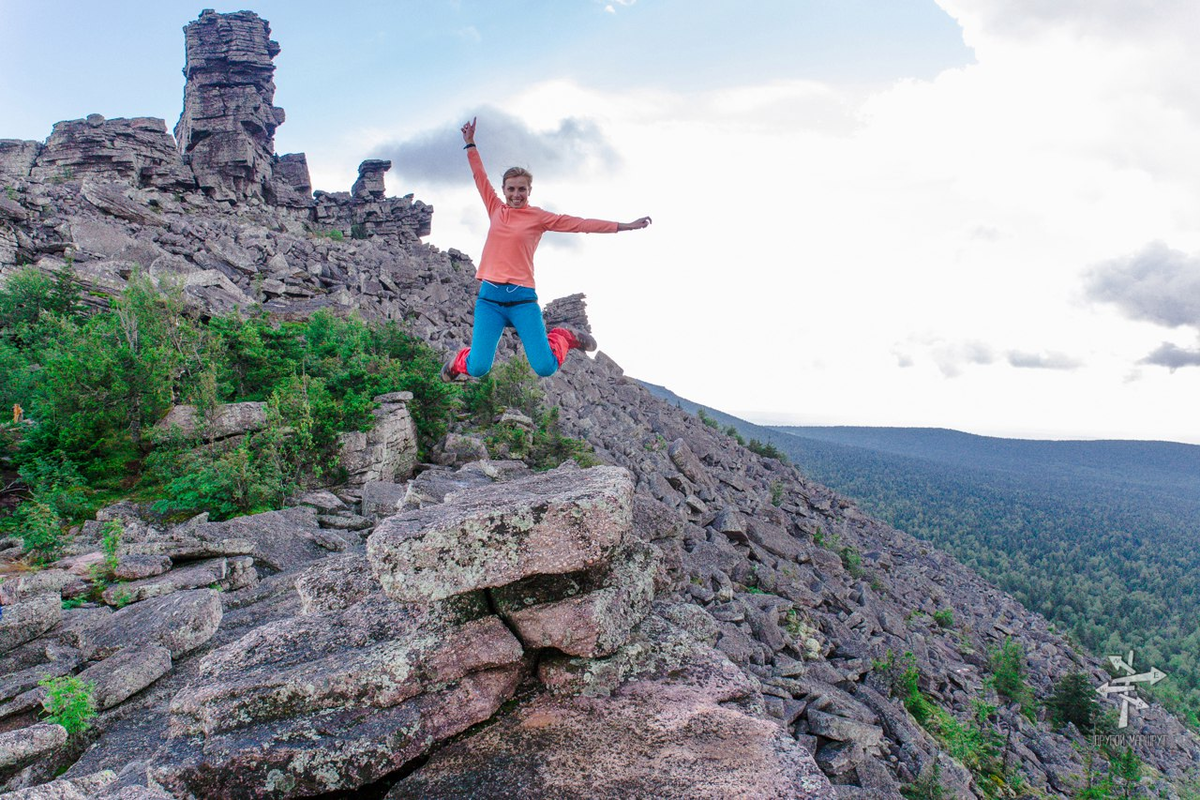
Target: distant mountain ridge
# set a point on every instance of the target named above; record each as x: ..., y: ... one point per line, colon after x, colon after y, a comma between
x: 1169, y: 467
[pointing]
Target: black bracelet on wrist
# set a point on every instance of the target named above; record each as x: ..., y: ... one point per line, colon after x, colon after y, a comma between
x: 468, y: 144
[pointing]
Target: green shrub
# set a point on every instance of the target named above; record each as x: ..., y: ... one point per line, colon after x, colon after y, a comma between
x: 69, y: 702
x: 92, y: 385
x: 514, y: 385
x: 707, y: 420
x: 1008, y: 675
x: 852, y: 561
x: 110, y: 539
x: 974, y: 743
x: 944, y: 618
x: 766, y: 450
x: 1074, y: 701
x: 777, y: 493
x: 903, y: 680
x: 39, y: 527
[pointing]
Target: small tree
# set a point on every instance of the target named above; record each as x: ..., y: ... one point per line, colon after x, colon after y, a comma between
x: 69, y: 702
x: 1008, y: 675
x: 1074, y: 701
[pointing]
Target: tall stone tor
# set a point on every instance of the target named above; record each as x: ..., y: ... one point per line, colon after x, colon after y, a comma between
x: 226, y: 132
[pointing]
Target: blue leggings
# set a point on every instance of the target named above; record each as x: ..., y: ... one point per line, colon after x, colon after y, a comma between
x: 490, y: 320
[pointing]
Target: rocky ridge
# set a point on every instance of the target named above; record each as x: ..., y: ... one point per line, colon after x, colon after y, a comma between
x: 718, y: 598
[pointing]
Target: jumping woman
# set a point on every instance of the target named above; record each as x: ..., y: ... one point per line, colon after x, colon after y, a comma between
x: 506, y: 288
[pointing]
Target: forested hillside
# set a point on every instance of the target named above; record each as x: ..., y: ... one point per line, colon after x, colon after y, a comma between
x: 1102, y: 538
x: 1117, y: 567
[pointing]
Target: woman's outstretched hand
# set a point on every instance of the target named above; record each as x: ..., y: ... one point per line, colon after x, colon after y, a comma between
x: 468, y: 131
x: 636, y: 225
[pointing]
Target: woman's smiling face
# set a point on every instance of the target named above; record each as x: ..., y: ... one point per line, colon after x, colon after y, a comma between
x: 516, y: 191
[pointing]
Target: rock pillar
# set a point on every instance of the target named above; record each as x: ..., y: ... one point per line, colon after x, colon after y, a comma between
x: 227, y: 129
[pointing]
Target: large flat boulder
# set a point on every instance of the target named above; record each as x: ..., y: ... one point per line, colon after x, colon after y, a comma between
x: 192, y: 576
x: 558, y: 522
x: 328, y: 702
x: 180, y: 622
x: 21, y: 746
x: 119, y: 677
x: 28, y: 619
x: 649, y: 739
x: 283, y: 540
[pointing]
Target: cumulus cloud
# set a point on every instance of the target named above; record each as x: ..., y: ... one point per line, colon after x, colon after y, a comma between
x: 436, y: 155
x: 1051, y: 360
x: 1173, y: 357
x: 951, y: 359
x: 1156, y: 284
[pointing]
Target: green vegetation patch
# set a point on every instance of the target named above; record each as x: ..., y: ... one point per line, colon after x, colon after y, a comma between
x: 69, y: 702
x: 92, y: 385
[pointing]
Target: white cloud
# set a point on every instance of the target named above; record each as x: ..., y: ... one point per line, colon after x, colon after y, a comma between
x: 1156, y: 284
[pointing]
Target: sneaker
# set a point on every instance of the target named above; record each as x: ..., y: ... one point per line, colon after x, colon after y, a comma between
x: 581, y: 340
x: 454, y: 369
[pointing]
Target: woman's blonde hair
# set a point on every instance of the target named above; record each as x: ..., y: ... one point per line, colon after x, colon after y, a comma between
x: 516, y: 172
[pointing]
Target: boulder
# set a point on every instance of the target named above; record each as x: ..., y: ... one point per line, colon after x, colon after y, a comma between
x: 120, y: 201
x: 335, y: 583
x: 649, y: 739
x: 180, y: 622
x: 97, y: 786
x: 382, y: 498
x: 333, y: 701
x: 687, y: 463
x: 126, y: 673
x: 387, y: 452
x: 222, y: 422
x: 136, y: 567
x: 192, y: 576
x: 658, y: 648
x: 283, y: 540
x: 557, y: 522
x: 589, y: 613
x: 28, y: 619
x: 458, y: 449
x: 23, y: 586
x: 432, y: 485
x: 23, y: 745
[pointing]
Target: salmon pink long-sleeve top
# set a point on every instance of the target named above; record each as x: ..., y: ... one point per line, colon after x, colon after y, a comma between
x: 515, y: 232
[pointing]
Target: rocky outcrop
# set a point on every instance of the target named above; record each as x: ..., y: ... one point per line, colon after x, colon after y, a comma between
x: 325, y: 702
x: 226, y: 132
x: 17, y: 157
x: 493, y: 536
x: 221, y: 422
x: 388, y: 451
x: 366, y: 212
x: 136, y: 151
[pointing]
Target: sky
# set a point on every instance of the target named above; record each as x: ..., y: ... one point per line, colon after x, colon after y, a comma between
x: 972, y: 214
